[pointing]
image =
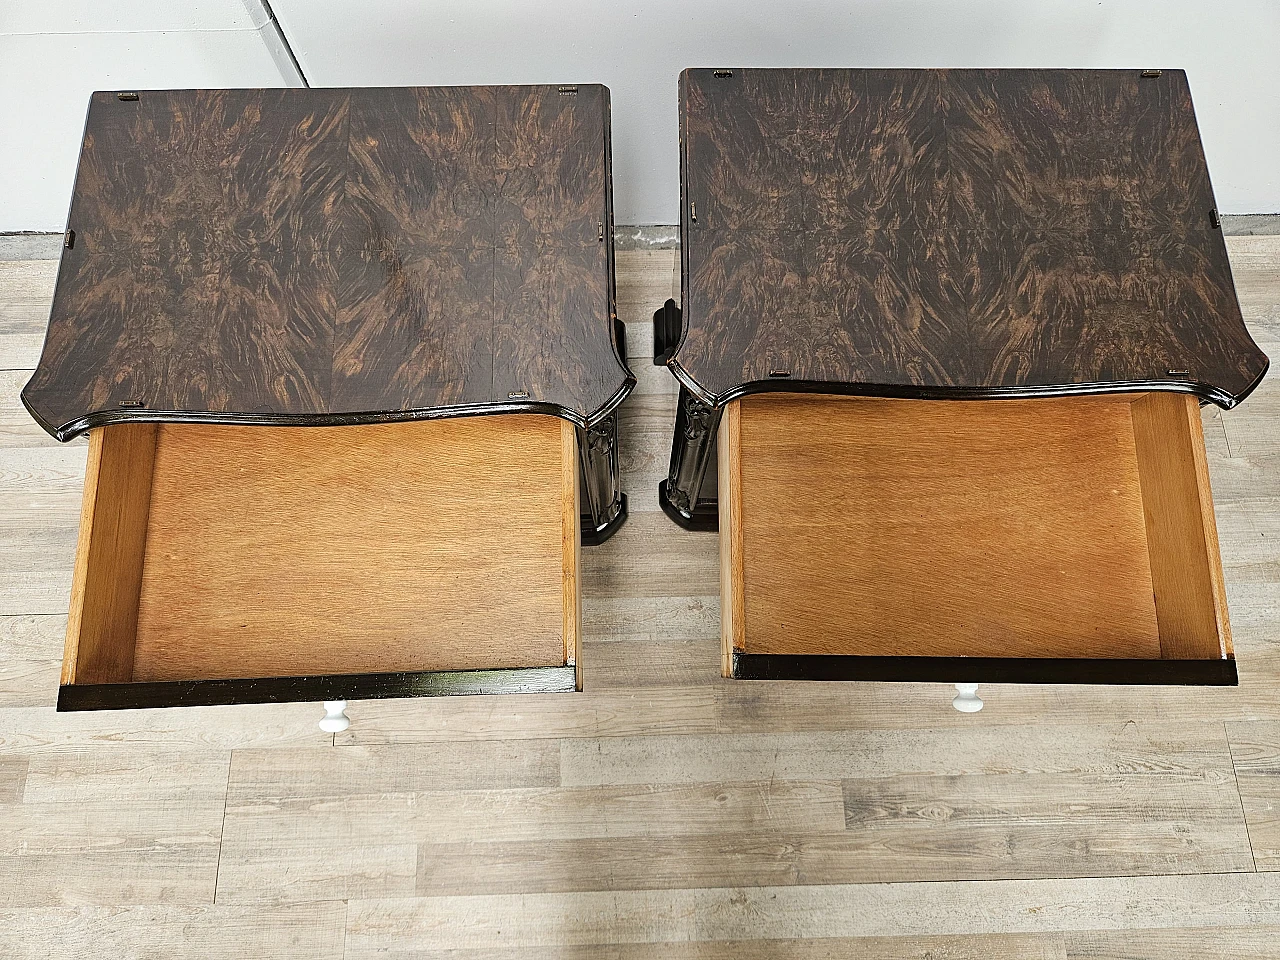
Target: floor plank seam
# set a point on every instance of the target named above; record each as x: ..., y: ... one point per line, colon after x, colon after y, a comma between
x: 222, y: 831
x: 1235, y: 773
x: 800, y: 884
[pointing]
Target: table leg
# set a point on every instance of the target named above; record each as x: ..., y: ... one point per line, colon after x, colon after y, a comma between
x: 967, y: 699
x: 667, y: 329
x: 335, y: 717
x: 605, y: 503
x: 692, y: 450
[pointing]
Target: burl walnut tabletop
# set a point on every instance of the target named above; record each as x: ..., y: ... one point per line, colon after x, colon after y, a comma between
x: 336, y: 256
x: 935, y: 233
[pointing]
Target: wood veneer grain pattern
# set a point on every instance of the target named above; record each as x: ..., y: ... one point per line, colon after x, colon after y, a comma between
x: 416, y: 290
x: 921, y: 232
x: 324, y: 256
x: 201, y: 276
x: 553, y: 270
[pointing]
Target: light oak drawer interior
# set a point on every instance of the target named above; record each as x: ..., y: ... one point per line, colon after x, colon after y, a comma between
x: 228, y: 552
x: 1073, y: 528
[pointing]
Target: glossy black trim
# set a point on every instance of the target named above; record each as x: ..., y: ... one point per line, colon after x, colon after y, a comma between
x: 100, y: 418
x: 359, y: 686
x: 594, y: 537
x: 703, y: 518
x: 693, y: 451
x: 771, y: 666
x: 604, y: 506
x: 1206, y: 392
x: 668, y: 330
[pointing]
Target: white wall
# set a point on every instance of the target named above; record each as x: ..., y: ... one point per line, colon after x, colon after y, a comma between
x: 1229, y: 48
x: 54, y: 53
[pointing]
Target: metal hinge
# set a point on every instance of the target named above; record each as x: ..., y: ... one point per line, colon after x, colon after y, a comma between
x: 130, y: 95
x: 566, y: 91
x: 1215, y: 219
x: 1150, y: 74
x: 722, y: 74
x: 69, y: 239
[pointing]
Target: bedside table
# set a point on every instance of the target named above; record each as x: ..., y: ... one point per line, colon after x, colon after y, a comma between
x: 950, y: 330
x: 349, y: 364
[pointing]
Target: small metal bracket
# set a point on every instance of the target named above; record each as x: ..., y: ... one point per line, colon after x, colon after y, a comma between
x: 129, y: 404
x: 601, y: 238
x: 69, y: 239
x: 1150, y: 74
x: 518, y: 395
x: 722, y: 74
x: 693, y: 211
x: 566, y: 91
x: 779, y: 374
x: 130, y: 95
x: 1214, y: 219
x: 1178, y: 373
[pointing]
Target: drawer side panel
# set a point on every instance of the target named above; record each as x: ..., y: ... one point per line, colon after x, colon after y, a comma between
x: 1186, y: 568
x: 103, y: 614
x: 729, y: 498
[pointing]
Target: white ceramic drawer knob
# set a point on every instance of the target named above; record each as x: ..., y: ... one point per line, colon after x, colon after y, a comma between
x: 335, y: 717
x: 967, y: 699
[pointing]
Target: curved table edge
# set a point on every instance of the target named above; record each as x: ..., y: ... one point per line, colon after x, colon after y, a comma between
x: 1206, y: 392
x: 70, y: 430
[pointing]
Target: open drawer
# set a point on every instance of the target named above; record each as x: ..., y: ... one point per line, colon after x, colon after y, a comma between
x: 227, y: 564
x: 1053, y: 540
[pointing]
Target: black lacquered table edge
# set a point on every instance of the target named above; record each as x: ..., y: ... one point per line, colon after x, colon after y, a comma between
x: 1112, y: 672
x: 69, y: 431
x: 363, y: 686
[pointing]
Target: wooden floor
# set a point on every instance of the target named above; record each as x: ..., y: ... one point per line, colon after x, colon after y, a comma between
x: 665, y: 812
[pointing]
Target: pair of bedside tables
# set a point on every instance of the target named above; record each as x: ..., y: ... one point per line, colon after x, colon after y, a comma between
x: 942, y: 343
